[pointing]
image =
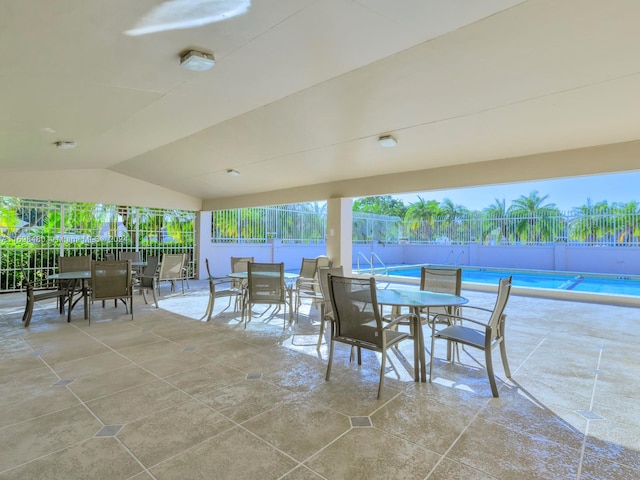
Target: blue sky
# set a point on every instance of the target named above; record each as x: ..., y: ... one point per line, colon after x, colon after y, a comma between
x: 565, y: 193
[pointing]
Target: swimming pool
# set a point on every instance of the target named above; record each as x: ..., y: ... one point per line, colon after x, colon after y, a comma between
x: 563, y: 281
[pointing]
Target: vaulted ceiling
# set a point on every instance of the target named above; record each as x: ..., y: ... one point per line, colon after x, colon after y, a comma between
x: 475, y: 92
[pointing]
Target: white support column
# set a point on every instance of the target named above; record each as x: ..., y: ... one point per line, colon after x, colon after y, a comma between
x: 203, y: 241
x: 339, y: 232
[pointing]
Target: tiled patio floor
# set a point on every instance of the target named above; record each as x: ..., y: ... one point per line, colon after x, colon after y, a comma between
x: 169, y: 397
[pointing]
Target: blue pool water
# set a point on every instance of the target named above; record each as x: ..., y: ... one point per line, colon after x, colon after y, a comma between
x: 579, y: 282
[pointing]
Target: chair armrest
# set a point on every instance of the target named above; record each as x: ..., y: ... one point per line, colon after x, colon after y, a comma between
x: 464, y: 319
x: 306, y: 281
x: 398, y: 319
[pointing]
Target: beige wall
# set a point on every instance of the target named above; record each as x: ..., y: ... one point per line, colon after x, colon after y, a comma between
x: 95, y: 186
x: 105, y: 186
x: 619, y: 157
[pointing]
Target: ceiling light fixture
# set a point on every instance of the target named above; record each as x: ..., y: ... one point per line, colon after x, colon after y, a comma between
x: 233, y: 173
x: 197, y: 61
x: 387, y: 141
x: 65, y: 145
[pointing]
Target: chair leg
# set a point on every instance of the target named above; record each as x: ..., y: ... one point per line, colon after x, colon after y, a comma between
x: 331, y: 342
x: 433, y: 340
x: 492, y: 377
x: 209, y: 309
x: 505, y: 362
x: 28, y: 311
x: 321, y: 333
x: 155, y: 299
x: 284, y: 318
x: 383, y: 366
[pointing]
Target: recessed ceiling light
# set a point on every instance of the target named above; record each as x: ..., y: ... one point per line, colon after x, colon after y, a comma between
x: 197, y: 61
x: 66, y: 145
x: 387, y: 141
x: 233, y: 173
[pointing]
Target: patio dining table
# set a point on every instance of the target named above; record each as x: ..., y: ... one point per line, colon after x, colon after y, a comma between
x: 417, y: 300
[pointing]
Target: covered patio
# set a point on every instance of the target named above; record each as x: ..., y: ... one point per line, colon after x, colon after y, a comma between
x: 167, y: 396
x: 99, y: 109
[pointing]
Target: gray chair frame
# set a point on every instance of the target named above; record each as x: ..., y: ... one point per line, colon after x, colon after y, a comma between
x: 220, y: 287
x: 357, y: 320
x: 484, y: 335
x: 326, y: 310
x: 61, y: 293
x: 171, y: 270
x: 74, y: 263
x: 112, y: 280
x: 265, y: 285
x: 147, y: 279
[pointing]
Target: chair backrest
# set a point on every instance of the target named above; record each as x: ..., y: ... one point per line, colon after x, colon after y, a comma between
x: 308, y: 268
x: 109, y: 256
x: 74, y: 263
x: 186, y: 260
x: 133, y: 256
x: 322, y: 261
x: 110, y: 279
x: 149, y: 271
x: 206, y: 263
x: 441, y: 280
x: 266, y: 283
x: 171, y: 267
x: 496, y: 321
x: 355, y: 310
x: 323, y: 277
x: 240, y: 264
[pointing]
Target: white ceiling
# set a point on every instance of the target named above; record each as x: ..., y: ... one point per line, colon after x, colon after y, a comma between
x: 302, y: 89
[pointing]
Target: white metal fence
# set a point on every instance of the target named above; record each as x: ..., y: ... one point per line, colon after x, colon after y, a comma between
x: 304, y: 224
x: 34, y: 233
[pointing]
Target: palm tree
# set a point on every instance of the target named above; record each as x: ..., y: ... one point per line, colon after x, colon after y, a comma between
x: 421, y: 216
x: 534, y: 217
x: 9, y: 219
x: 452, y: 214
x: 497, y: 219
x: 590, y: 222
x: 628, y: 215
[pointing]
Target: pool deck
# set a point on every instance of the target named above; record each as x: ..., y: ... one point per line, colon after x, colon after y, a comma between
x: 167, y: 396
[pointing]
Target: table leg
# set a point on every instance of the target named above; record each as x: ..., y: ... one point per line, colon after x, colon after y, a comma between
x: 86, y: 300
x: 416, y: 349
x: 71, y: 286
x: 420, y: 337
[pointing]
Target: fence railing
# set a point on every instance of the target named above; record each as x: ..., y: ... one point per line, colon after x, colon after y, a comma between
x: 33, y: 234
x: 307, y: 224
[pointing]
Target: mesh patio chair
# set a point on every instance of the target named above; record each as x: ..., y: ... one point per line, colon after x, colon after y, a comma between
x: 112, y: 280
x: 306, y: 285
x: 441, y: 280
x: 481, y: 334
x: 358, y: 322
x: 133, y: 256
x: 186, y: 262
x: 265, y: 286
x: 146, y: 280
x: 60, y: 292
x: 171, y: 270
x: 74, y: 263
x: 240, y: 264
x: 326, y: 310
x: 220, y: 287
